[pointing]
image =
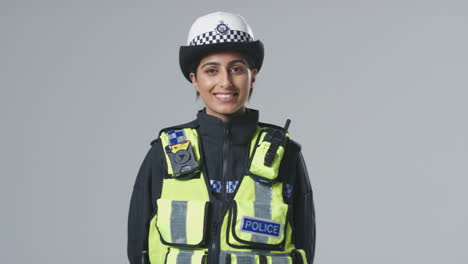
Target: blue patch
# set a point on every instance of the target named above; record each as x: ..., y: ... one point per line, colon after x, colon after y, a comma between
x: 216, y: 186
x: 231, y: 186
x: 288, y: 191
x: 176, y: 137
x: 261, y: 226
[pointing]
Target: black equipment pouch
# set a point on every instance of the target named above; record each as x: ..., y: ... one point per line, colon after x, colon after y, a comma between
x: 181, y: 157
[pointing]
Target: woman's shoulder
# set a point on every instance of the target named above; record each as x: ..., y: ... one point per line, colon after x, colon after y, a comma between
x: 191, y: 124
x: 293, y: 145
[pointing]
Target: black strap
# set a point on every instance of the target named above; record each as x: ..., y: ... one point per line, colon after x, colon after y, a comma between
x: 276, y: 137
x: 228, y: 258
x: 297, y: 257
x: 144, y: 257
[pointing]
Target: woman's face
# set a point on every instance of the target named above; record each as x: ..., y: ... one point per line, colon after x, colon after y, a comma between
x: 224, y: 80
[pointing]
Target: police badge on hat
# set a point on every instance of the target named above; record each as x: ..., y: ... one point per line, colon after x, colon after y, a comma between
x: 222, y: 28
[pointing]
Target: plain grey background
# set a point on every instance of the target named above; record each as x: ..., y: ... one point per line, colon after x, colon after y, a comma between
x: 376, y: 90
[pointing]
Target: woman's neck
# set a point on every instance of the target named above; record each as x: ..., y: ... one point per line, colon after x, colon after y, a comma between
x: 226, y: 117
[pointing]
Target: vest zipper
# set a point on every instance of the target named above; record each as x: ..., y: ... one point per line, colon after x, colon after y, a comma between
x: 225, y: 161
x: 224, y: 155
x: 215, y: 249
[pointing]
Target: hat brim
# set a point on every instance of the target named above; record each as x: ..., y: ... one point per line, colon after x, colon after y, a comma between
x: 187, y: 54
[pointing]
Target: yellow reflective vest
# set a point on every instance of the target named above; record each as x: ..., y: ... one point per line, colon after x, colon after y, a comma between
x: 256, y: 226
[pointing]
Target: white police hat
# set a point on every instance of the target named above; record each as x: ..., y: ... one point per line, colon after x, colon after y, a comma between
x: 216, y: 32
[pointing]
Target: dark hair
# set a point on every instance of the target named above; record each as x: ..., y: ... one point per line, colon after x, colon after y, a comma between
x: 196, y: 62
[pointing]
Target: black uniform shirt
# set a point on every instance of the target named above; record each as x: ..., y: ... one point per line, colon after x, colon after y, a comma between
x: 225, y: 150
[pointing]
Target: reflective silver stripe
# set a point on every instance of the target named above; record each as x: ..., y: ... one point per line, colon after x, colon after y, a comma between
x: 178, y: 222
x: 275, y: 256
x: 245, y: 259
x: 222, y: 257
x: 262, y: 193
x: 279, y: 260
x: 262, y: 208
x: 184, y: 258
x: 264, y: 252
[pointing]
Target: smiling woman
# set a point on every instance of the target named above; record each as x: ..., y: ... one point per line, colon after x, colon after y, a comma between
x: 224, y: 81
x: 223, y: 188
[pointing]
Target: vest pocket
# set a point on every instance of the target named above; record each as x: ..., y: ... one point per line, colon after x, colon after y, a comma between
x: 185, y: 256
x: 182, y: 223
x: 257, y: 225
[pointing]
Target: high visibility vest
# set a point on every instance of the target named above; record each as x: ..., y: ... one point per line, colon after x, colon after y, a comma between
x: 256, y: 227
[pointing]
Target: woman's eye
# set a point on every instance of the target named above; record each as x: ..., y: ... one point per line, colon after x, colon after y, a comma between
x: 210, y: 71
x: 237, y: 69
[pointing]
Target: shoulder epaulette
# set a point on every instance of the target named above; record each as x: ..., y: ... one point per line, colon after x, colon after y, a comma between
x: 191, y: 124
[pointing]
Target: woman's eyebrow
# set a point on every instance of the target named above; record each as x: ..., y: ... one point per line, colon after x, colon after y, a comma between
x: 218, y: 64
x: 211, y: 63
x: 234, y: 61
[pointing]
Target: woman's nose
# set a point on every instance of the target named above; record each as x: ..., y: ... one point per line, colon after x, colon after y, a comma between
x: 225, y: 80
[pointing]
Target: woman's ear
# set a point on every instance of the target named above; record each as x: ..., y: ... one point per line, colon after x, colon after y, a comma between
x: 253, y: 77
x: 193, y: 78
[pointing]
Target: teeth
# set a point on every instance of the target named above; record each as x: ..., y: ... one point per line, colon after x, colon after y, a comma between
x: 223, y: 95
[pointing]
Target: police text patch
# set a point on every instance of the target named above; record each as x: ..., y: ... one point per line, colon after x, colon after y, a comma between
x: 260, y: 226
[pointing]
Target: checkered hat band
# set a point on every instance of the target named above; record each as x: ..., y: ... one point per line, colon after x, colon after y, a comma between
x: 214, y: 37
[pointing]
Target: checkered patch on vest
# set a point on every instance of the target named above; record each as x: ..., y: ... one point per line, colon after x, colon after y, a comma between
x: 216, y: 186
x: 289, y: 190
x: 214, y: 37
x: 231, y: 186
x: 176, y: 136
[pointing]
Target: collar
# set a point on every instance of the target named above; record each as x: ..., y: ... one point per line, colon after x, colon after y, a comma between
x: 240, y: 128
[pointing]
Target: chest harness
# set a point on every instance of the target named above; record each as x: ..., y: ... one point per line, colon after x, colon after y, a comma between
x: 256, y: 227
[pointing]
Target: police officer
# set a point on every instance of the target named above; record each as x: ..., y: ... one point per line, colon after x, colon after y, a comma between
x: 223, y: 188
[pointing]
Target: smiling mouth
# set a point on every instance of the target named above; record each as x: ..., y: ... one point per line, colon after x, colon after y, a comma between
x: 225, y: 97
